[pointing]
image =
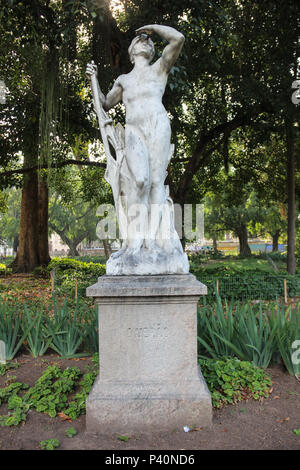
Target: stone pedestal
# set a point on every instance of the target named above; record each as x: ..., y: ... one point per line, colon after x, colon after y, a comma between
x: 149, y: 378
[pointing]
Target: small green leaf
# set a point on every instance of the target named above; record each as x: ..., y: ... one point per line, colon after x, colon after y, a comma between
x: 123, y: 438
x: 49, y: 444
x: 70, y: 432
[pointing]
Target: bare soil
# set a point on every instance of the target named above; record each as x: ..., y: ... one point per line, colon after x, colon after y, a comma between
x: 252, y: 425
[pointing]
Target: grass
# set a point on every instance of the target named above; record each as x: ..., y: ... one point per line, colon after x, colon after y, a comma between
x: 246, y: 264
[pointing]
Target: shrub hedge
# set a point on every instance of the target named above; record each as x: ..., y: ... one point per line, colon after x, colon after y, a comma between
x: 70, y: 273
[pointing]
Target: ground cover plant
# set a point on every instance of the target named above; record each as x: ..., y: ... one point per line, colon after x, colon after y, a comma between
x: 230, y: 380
x: 54, y: 392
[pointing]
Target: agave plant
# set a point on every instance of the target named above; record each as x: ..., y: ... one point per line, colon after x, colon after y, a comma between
x: 11, y: 332
x: 38, y: 340
x: 238, y: 330
x: 288, y: 336
x: 215, y: 327
x: 65, y: 328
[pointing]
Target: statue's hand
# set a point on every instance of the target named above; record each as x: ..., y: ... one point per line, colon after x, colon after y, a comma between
x: 145, y: 29
x: 91, y: 70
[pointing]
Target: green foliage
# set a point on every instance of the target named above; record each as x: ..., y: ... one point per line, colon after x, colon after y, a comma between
x: 66, y: 329
x: 240, y: 282
x: 10, y: 330
x: 50, y: 394
x: 9, y: 365
x: 38, y: 339
x: 231, y: 380
x: 67, y: 264
x: 10, y: 396
x: 49, y: 444
x: 68, y: 271
x: 91, y: 328
x: 248, y: 333
x: 71, y: 432
x: 62, y: 327
x: 11, y: 390
x: 76, y: 407
x: 288, y: 332
x: 124, y: 438
x: 4, y: 270
x: 10, y: 220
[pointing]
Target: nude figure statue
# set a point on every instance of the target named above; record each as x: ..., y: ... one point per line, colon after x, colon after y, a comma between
x: 147, y: 152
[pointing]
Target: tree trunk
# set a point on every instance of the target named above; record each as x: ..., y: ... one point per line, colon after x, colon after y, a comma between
x: 243, y: 239
x: 291, y: 265
x: 215, y: 244
x: 33, y: 248
x: 16, y: 244
x: 72, y: 249
x: 275, y: 238
x: 27, y: 256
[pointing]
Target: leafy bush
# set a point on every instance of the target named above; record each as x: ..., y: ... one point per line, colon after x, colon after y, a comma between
x: 70, y: 273
x: 90, y: 258
x: 248, y: 285
x: 4, y: 270
x: 63, y: 264
x: 231, y: 380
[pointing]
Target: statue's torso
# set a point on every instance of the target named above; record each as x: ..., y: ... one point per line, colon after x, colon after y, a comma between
x: 142, y: 93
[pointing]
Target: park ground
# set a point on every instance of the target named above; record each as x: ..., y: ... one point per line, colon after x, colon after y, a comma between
x: 248, y: 425
x: 270, y: 423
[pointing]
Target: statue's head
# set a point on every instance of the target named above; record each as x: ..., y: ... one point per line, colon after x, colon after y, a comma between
x: 141, y: 44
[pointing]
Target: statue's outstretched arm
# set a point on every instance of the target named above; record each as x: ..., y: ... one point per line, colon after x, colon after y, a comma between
x: 174, y: 38
x: 115, y: 94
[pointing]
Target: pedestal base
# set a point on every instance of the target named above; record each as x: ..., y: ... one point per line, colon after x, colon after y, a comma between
x: 149, y: 377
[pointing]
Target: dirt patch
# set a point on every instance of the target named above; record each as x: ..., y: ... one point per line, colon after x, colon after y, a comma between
x: 266, y: 424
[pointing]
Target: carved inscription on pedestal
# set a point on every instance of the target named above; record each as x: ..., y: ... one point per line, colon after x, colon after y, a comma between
x: 156, y: 331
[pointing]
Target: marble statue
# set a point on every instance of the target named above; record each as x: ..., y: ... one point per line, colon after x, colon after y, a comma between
x: 138, y: 157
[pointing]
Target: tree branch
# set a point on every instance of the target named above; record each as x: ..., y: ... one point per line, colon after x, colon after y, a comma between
x: 199, y: 157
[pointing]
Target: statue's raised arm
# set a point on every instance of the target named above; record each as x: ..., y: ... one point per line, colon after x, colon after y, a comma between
x: 174, y: 38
